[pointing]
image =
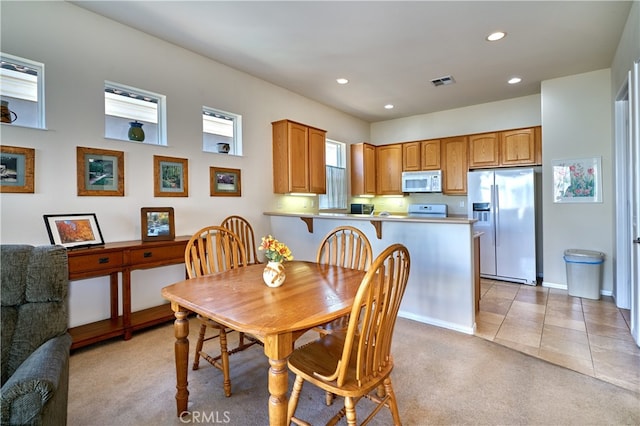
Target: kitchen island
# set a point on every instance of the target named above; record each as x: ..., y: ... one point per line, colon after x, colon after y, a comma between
x: 441, y: 289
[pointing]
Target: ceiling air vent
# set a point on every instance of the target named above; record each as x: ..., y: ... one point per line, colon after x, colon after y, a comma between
x: 447, y: 79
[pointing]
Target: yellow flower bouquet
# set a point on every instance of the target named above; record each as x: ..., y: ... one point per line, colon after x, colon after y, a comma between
x: 274, y: 250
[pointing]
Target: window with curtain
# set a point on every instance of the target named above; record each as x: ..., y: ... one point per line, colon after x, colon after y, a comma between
x: 336, y: 160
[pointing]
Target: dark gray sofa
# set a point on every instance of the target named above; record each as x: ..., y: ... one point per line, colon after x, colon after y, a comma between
x: 35, y: 342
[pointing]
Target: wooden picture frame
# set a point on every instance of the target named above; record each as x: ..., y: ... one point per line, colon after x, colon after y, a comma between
x: 100, y: 172
x: 170, y: 176
x: 17, y: 166
x: 224, y: 182
x: 74, y: 230
x: 157, y: 224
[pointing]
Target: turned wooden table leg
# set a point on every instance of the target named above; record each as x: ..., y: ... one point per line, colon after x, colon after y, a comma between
x: 181, y: 346
x: 278, y: 387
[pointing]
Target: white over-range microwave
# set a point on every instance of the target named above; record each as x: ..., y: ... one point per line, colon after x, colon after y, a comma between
x: 425, y: 181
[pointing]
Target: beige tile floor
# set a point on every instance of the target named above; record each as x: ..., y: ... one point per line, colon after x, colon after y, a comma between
x: 588, y: 336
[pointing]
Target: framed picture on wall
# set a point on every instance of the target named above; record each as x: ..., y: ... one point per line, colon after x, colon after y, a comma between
x: 100, y: 172
x: 157, y: 224
x: 577, y: 180
x: 74, y: 230
x: 224, y: 182
x: 17, y: 169
x: 170, y: 177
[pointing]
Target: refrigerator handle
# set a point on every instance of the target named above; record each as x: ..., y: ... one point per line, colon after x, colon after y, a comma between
x: 496, y: 212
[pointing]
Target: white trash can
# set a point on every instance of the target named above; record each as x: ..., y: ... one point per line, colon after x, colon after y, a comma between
x: 584, y: 272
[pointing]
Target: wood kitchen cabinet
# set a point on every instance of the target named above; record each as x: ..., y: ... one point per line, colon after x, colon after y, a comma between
x: 421, y: 155
x: 363, y: 169
x: 389, y: 169
x: 520, y: 147
x: 454, y: 165
x: 484, y: 150
x: 298, y: 158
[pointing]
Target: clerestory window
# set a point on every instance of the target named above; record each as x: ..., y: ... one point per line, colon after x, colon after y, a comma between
x: 221, y: 131
x: 22, y: 91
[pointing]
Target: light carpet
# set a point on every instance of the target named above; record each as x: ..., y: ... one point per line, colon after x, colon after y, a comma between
x: 441, y: 377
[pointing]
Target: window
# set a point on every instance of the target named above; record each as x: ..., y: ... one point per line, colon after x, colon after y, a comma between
x: 22, y: 91
x: 336, y: 159
x: 221, y: 132
x: 134, y: 114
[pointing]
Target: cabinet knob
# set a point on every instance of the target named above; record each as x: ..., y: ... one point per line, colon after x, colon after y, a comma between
x: 103, y: 260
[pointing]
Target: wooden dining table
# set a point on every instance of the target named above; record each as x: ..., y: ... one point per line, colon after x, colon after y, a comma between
x: 312, y: 294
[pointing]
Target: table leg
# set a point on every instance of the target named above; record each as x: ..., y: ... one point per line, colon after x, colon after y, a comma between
x: 278, y: 387
x: 181, y: 346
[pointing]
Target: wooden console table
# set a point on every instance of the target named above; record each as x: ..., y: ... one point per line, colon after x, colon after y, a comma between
x: 122, y: 258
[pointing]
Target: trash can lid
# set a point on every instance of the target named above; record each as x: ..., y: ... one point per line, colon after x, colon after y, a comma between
x: 584, y: 253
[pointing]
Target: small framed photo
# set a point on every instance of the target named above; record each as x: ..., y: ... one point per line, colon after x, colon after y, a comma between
x: 157, y: 224
x: 224, y: 182
x: 100, y: 172
x: 170, y: 177
x: 74, y: 230
x: 17, y: 169
x: 577, y: 180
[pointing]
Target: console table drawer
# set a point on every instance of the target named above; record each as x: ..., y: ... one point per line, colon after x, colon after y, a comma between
x: 95, y: 262
x: 157, y: 254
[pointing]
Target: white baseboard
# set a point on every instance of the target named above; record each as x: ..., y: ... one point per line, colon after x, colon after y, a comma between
x: 437, y: 323
x: 564, y: 287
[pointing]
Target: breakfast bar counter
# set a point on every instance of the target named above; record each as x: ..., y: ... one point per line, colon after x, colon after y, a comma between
x: 442, y: 281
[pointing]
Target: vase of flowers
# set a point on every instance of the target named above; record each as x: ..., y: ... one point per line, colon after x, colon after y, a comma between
x: 276, y: 253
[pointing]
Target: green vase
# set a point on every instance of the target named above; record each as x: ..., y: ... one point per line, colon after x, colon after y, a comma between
x: 135, y: 131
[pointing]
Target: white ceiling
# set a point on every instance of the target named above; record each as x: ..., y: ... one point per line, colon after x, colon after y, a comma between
x: 389, y: 50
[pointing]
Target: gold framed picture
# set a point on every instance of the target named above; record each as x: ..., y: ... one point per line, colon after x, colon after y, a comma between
x: 170, y: 176
x: 224, y: 182
x: 100, y: 172
x: 17, y: 169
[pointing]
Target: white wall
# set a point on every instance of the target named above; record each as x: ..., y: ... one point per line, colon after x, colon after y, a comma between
x: 576, y: 123
x: 80, y: 51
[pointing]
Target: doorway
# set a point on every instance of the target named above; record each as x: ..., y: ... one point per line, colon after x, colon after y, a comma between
x: 627, y: 135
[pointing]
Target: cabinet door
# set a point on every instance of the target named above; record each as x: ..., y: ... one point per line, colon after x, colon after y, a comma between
x: 411, y: 156
x: 389, y: 169
x: 430, y: 155
x: 454, y: 165
x: 298, y: 158
x: 317, y: 161
x: 484, y: 150
x: 363, y: 169
x: 518, y: 147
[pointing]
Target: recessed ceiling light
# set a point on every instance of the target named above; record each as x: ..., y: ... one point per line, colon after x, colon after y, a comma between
x: 388, y: 106
x: 498, y: 35
x: 514, y: 80
x: 342, y: 80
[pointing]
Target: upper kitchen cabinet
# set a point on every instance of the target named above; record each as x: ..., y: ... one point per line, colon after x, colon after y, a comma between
x: 363, y: 169
x: 298, y: 158
x: 484, y: 150
x: 454, y: 165
x: 521, y: 147
x: 508, y: 148
x: 422, y: 155
x: 389, y: 169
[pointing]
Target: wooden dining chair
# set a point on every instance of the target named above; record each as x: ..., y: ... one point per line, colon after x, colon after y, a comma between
x: 243, y: 229
x: 356, y: 364
x: 215, y: 249
x: 348, y: 247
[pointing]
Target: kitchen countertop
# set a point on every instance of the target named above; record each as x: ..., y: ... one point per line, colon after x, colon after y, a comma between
x: 375, y: 217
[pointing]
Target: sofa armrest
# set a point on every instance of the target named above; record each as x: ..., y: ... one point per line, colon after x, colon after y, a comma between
x: 26, y: 392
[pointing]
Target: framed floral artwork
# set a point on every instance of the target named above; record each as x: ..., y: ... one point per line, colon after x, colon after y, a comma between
x: 577, y: 180
x: 170, y: 176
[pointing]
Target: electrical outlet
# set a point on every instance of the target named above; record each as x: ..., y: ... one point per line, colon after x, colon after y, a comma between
x: 461, y: 203
x: 313, y: 203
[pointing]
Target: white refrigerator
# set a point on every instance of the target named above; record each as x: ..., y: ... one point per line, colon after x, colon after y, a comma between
x: 503, y: 202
